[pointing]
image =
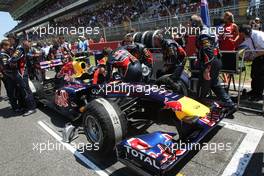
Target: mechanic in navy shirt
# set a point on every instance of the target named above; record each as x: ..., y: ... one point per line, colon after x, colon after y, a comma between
x: 18, y: 60
x: 209, y: 62
x: 7, y: 74
x: 128, y: 66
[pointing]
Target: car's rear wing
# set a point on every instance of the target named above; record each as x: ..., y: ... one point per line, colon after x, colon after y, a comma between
x: 50, y: 64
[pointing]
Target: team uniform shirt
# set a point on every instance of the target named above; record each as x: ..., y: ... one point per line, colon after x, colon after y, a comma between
x: 140, y: 52
x: 4, y: 63
x: 207, y: 45
x: 120, y: 59
x: 18, y: 60
x: 173, y: 53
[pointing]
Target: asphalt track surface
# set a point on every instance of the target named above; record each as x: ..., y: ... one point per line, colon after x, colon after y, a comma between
x: 24, y: 148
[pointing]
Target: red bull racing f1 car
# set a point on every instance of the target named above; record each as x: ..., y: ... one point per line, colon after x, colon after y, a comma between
x: 106, y: 117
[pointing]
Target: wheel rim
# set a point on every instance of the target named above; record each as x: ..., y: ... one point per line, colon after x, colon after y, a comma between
x: 93, y: 129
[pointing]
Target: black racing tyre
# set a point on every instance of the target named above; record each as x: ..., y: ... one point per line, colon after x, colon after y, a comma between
x: 104, y: 125
x: 147, y: 40
x: 137, y: 37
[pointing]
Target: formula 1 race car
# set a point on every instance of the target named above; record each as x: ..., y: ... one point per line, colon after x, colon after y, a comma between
x: 107, y: 110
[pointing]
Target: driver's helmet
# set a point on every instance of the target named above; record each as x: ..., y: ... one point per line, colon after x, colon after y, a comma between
x: 133, y: 72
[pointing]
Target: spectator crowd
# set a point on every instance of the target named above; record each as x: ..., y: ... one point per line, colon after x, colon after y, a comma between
x: 104, y: 13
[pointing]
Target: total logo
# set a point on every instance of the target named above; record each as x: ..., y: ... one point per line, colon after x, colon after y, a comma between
x: 141, y: 156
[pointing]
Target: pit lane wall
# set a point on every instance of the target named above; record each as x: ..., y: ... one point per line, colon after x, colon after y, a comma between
x: 100, y: 46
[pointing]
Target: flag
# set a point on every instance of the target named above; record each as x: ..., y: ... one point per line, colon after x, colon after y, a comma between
x: 205, y: 13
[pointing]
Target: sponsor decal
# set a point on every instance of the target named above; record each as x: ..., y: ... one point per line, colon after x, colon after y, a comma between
x: 141, y: 156
x: 207, y: 121
x: 167, y: 155
x: 61, y: 98
x: 138, y: 144
x: 174, y: 105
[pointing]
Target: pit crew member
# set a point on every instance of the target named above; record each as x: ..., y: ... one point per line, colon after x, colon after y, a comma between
x: 141, y: 53
x: 209, y: 63
x: 18, y: 60
x: 128, y: 66
x: 7, y: 75
x: 174, y: 61
x: 138, y: 50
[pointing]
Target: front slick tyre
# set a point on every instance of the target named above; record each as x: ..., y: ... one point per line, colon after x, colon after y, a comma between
x: 104, y: 125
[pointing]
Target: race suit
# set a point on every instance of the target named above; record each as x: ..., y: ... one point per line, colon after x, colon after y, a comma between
x: 209, y: 61
x: 128, y: 66
x: 144, y: 56
x: 18, y: 61
x: 141, y: 53
x: 174, y: 62
x: 173, y: 58
x: 8, y: 77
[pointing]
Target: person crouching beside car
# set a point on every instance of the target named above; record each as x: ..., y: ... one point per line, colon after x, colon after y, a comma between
x: 174, y: 59
x: 254, y: 40
x: 129, y: 67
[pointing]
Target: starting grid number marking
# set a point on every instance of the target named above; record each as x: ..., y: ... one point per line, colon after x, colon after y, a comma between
x: 245, y: 151
x: 74, y: 151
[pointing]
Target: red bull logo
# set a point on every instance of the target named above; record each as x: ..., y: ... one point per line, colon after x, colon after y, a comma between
x: 138, y: 144
x: 174, y: 105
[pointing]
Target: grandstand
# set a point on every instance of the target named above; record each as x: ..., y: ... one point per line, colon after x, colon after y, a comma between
x: 115, y: 17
